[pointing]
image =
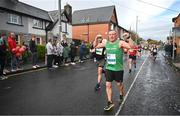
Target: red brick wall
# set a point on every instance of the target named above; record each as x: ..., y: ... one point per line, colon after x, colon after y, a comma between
x: 81, y: 32
x: 177, y: 22
x: 178, y: 45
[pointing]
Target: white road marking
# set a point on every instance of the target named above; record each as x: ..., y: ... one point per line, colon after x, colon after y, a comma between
x: 120, y: 107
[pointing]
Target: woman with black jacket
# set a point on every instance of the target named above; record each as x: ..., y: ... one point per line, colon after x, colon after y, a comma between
x: 33, y: 49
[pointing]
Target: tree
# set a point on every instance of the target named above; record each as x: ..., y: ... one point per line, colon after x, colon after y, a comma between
x: 135, y: 37
x: 151, y: 41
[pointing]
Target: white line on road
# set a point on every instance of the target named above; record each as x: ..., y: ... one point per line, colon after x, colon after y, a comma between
x: 120, y: 107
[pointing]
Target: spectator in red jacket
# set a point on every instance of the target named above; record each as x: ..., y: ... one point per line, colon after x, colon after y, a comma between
x: 15, y: 65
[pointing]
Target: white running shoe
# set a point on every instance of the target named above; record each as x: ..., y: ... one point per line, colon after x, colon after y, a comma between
x: 66, y: 64
x: 37, y: 66
x: 34, y: 67
x: 55, y: 66
x: 73, y: 63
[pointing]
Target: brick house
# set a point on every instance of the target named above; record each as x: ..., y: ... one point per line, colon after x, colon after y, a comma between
x: 176, y: 28
x: 86, y: 24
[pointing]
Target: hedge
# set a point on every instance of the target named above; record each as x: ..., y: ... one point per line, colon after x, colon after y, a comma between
x: 41, y: 52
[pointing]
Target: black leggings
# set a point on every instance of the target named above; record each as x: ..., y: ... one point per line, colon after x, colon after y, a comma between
x: 2, y: 65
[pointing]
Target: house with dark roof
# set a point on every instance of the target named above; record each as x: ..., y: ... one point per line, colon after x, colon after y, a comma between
x: 176, y: 31
x: 90, y: 22
x: 24, y: 20
x: 66, y: 23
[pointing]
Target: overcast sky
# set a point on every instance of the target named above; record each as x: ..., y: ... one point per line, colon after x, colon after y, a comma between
x: 154, y: 22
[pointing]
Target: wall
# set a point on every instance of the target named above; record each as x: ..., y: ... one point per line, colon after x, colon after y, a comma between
x: 55, y: 30
x: 177, y: 24
x: 35, y: 30
x: 81, y: 32
x: 11, y: 27
x: 23, y: 31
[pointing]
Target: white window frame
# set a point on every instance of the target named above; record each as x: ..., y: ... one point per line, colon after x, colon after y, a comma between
x: 112, y: 26
x: 17, y: 39
x: 37, y: 23
x: 64, y: 27
x: 40, y: 41
x: 14, y: 19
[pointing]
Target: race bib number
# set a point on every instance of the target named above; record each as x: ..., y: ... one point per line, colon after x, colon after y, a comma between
x: 111, y: 58
x: 99, y: 51
x: 155, y: 50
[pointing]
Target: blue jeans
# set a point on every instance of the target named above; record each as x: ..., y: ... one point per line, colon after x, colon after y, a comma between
x: 15, y: 63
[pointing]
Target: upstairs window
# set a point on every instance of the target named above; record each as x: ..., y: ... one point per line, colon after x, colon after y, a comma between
x: 38, y: 41
x: 64, y: 27
x: 37, y: 23
x: 14, y: 19
x: 112, y: 27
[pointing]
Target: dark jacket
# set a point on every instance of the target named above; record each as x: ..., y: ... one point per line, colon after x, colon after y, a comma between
x: 32, y: 46
x: 82, y: 48
x: 3, y: 48
x: 73, y: 50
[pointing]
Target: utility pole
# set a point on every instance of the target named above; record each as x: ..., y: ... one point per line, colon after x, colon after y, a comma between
x: 60, y: 20
x: 136, y: 28
x: 173, y: 41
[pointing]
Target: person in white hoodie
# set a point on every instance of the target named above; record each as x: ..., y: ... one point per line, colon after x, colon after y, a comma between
x: 50, y: 51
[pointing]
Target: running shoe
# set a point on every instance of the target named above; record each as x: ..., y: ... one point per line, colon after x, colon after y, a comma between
x: 109, y: 106
x: 121, y: 98
x: 97, y: 87
x: 2, y: 77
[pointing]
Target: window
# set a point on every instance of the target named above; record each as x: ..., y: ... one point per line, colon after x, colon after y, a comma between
x: 17, y: 39
x: 112, y: 27
x: 64, y: 18
x: 64, y: 27
x: 38, y: 41
x: 14, y: 19
x: 37, y: 23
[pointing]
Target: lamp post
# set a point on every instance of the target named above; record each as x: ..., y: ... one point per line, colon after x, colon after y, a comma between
x: 136, y: 28
x: 60, y: 20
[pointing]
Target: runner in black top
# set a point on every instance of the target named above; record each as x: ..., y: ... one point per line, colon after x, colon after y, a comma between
x: 154, y: 52
x: 100, y: 58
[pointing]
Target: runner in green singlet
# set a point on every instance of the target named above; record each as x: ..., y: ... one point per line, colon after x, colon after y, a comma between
x: 114, y: 63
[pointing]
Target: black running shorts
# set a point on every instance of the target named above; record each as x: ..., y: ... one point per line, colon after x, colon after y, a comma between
x: 101, y: 63
x: 132, y: 57
x: 114, y: 75
x: 154, y: 53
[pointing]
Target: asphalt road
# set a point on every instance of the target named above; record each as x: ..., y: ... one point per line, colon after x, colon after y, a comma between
x: 70, y: 91
x: 156, y: 90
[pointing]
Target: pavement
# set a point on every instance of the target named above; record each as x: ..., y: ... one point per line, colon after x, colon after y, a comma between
x: 177, y: 65
x: 174, y: 63
x: 28, y: 67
